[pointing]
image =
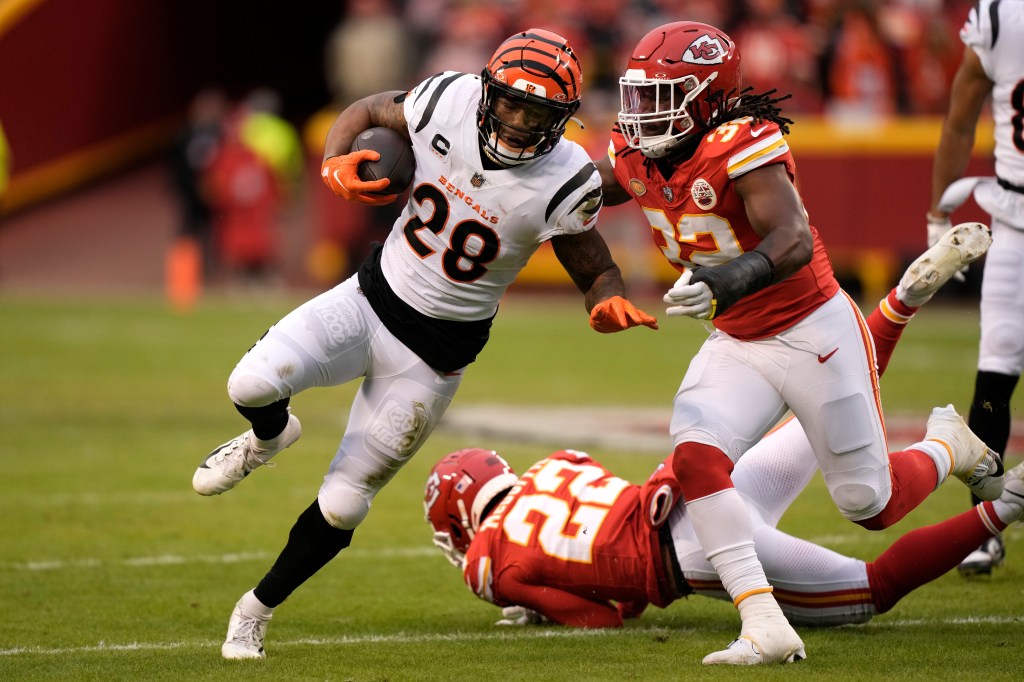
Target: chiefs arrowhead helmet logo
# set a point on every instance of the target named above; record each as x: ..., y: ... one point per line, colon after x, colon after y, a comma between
x: 704, y: 50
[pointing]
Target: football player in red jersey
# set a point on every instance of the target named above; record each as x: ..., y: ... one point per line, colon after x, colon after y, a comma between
x: 572, y: 543
x: 710, y: 167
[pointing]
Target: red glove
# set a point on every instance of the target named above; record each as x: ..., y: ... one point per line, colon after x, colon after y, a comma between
x: 340, y: 173
x: 616, y: 314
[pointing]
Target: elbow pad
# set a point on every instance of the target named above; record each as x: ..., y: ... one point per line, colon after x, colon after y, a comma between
x: 729, y: 282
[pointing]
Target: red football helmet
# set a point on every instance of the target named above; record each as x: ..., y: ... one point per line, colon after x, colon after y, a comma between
x: 458, y: 490
x: 536, y: 71
x: 671, y: 86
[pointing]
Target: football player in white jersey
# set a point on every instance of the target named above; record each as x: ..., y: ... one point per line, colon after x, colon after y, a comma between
x: 991, y: 69
x: 494, y: 180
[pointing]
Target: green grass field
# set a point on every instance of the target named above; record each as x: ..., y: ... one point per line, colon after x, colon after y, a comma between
x: 111, y: 567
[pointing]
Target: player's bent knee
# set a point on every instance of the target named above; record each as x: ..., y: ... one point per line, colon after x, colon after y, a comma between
x: 857, y: 501
x: 269, y: 372
x: 250, y: 390
x: 701, y: 469
x: 344, y: 509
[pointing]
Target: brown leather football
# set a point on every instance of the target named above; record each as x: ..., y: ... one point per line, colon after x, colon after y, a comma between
x: 396, y: 159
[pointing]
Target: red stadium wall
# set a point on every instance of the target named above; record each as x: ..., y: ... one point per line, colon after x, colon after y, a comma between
x: 87, y: 86
x: 90, y: 86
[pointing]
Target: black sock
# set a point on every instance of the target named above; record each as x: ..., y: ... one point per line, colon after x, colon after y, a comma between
x: 267, y: 421
x: 312, y: 542
x: 989, y: 418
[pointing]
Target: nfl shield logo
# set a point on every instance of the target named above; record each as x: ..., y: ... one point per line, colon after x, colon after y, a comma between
x: 668, y: 193
x: 477, y: 180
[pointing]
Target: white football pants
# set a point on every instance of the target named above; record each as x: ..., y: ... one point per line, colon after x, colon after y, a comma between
x: 331, y: 340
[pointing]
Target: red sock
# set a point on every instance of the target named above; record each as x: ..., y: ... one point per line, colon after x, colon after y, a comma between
x: 913, y: 479
x: 924, y: 554
x: 887, y: 323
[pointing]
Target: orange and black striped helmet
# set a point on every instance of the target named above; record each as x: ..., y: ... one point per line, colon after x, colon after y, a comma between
x: 538, y: 70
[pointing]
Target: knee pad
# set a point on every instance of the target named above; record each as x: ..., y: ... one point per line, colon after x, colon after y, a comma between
x: 344, y: 508
x: 856, y: 501
x: 850, y: 424
x: 249, y: 390
x: 265, y: 374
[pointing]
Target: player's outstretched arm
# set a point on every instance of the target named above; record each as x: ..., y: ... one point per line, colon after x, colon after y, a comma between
x: 588, y: 261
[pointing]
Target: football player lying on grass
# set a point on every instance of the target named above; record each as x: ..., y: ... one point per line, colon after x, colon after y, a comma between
x: 572, y: 543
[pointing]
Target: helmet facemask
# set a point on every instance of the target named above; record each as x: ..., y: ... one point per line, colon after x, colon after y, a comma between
x: 543, y: 124
x: 657, y: 114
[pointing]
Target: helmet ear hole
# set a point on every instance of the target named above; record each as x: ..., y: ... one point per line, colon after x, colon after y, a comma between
x: 455, y: 528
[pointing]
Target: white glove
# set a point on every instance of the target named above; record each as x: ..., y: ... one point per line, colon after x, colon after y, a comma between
x: 936, y: 228
x: 520, y: 615
x: 693, y: 300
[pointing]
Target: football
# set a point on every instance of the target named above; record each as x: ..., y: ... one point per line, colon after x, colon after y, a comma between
x: 396, y: 160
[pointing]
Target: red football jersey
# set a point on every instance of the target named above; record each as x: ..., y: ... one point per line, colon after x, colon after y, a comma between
x: 697, y: 218
x: 568, y: 541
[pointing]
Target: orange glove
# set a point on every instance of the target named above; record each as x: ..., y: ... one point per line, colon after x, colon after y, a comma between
x: 340, y: 173
x: 616, y: 314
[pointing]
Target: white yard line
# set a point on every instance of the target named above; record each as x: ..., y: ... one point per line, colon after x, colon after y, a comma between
x: 406, y: 638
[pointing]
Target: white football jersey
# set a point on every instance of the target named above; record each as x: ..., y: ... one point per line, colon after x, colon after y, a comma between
x: 995, y: 31
x: 466, y: 232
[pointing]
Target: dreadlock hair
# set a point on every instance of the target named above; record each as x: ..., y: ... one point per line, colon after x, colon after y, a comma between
x: 761, y: 107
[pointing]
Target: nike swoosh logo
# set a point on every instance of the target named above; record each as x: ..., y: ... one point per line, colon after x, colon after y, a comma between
x: 824, y: 358
x: 755, y: 133
x: 216, y: 450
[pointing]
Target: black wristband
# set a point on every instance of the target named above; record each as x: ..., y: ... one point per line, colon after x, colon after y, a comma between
x: 729, y: 282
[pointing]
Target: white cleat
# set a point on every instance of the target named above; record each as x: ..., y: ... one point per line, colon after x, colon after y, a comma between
x: 246, y: 633
x: 761, y: 643
x: 955, y: 250
x: 980, y: 468
x: 229, y: 463
x: 989, y: 555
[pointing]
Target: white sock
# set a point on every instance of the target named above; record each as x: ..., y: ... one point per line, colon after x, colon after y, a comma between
x: 759, y: 607
x: 254, y: 607
x: 722, y: 525
x: 939, y: 456
x: 1007, y: 512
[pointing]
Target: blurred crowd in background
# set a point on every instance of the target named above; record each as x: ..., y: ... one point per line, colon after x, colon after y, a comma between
x: 871, y: 57
x: 238, y: 164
